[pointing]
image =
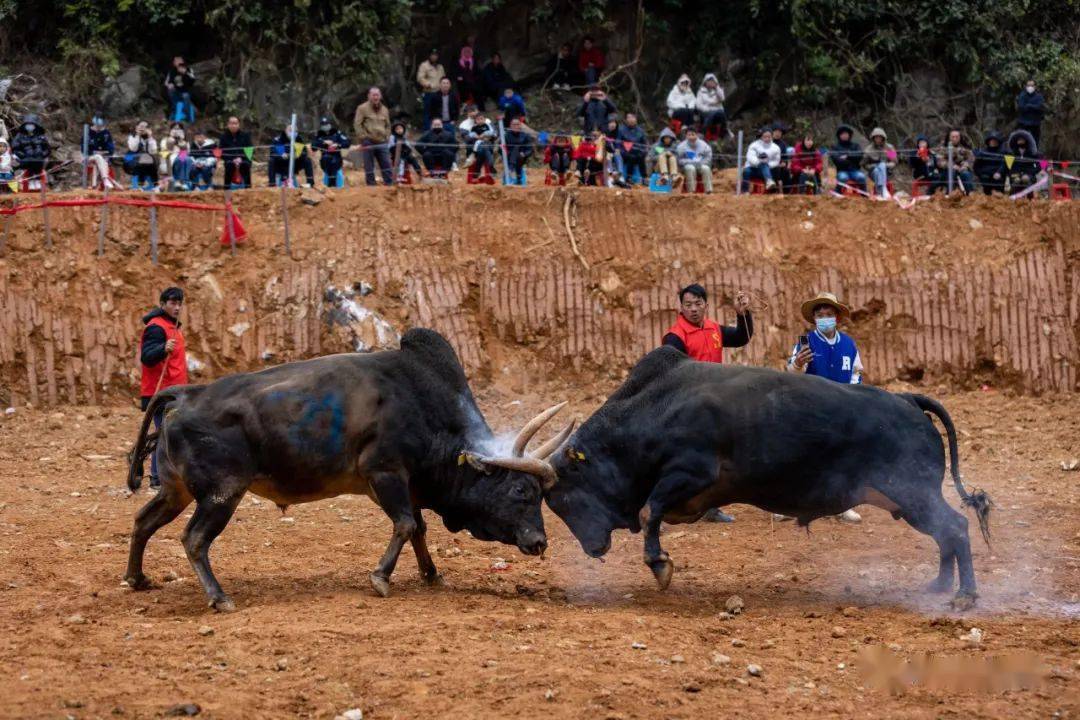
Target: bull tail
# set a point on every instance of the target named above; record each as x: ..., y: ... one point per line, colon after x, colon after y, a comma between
x: 147, y: 441
x: 977, y: 499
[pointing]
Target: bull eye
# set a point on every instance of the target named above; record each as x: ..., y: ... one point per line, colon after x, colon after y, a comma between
x: 519, y: 492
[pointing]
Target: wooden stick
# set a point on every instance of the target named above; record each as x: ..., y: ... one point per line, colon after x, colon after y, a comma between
x: 153, y: 235
x: 566, y: 221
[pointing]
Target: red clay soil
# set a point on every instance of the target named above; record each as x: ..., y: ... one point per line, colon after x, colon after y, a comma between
x: 965, y: 291
x: 565, y: 636
x: 951, y: 296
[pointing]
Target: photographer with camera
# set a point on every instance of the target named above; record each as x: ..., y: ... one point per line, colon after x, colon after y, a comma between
x: 140, y: 162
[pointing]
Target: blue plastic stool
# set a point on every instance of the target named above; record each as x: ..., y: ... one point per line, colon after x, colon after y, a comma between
x: 520, y: 181
x: 656, y: 186
x: 184, y: 111
x: 338, y: 181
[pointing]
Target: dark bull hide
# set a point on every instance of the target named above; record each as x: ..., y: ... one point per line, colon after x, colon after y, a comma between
x: 399, y: 426
x: 680, y: 437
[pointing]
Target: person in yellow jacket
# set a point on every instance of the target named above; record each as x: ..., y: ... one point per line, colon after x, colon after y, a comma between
x: 372, y: 126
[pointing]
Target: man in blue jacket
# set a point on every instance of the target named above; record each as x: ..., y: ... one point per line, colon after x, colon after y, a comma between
x: 632, y: 145
x: 828, y: 352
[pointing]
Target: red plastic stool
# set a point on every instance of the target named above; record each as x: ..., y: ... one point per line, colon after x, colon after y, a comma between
x: 757, y: 187
x: 1060, y: 191
x: 473, y: 177
x: 405, y: 178
x: 919, y: 188
x: 549, y: 178
x: 699, y: 190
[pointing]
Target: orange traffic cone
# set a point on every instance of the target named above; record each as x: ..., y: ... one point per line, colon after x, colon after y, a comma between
x: 239, y: 231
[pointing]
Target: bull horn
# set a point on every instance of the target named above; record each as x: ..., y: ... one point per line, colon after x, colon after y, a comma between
x: 532, y: 426
x: 533, y: 466
x: 548, y: 449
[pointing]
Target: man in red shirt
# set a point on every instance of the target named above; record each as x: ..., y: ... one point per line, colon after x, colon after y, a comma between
x: 590, y: 60
x: 704, y: 340
x: 162, y: 354
x: 701, y: 338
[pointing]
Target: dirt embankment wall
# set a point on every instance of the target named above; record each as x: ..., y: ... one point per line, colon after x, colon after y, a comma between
x: 961, y: 291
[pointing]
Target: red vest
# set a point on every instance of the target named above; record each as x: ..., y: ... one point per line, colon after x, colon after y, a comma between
x: 174, y: 365
x: 702, y: 343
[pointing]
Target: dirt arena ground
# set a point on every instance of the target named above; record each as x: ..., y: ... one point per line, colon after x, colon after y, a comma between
x: 565, y: 636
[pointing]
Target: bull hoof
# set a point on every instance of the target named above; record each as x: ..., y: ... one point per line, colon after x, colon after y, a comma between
x: 435, y: 580
x: 939, y: 585
x: 964, y: 600
x: 381, y: 585
x: 138, y: 583
x: 223, y: 605
x: 662, y: 569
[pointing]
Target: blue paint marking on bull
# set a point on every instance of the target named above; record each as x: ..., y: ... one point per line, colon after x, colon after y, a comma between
x: 319, y: 430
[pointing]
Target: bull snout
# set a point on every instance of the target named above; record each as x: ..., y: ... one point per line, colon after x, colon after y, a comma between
x: 532, y: 543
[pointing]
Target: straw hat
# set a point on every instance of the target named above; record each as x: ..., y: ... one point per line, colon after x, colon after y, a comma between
x: 824, y: 298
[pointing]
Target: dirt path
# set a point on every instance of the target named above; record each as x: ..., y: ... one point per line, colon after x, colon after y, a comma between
x: 555, y: 637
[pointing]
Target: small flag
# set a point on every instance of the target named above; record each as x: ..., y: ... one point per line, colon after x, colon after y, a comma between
x: 163, y: 153
x: 13, y: 186
x: 1044, y: 164
x: 628, y: 145
x: 1064, y: 164
x: 183, y: 155
x: 542, y: 138
x: 891, y: 154
x: 575, y: 140
x: 1009, y: 159
x: 217, y: 153
x: 249, y: 152
x: 298, y: 148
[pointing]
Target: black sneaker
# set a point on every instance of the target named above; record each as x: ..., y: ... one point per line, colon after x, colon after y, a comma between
x: 718, y: 515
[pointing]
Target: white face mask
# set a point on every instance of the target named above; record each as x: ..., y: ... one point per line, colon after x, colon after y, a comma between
x: 1031, y: 88
x: 31, y: 127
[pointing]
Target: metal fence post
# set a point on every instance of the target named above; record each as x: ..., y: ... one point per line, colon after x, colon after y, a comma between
x: 229, y: 221
x: 950, y: 172
x: 506, y: 159
x: 738, y: 165
x: 45, y: 208
x: 103, y: 223
x: 292, y: 151
x: 85, y: 153
x: 285, y: 215
x: 7, y: 224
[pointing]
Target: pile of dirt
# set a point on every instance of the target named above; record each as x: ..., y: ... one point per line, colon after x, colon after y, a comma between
x: 540, y: 283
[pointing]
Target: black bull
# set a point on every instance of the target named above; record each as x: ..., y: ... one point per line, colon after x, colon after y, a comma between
x: 680, y: 437
x: 399, y: 426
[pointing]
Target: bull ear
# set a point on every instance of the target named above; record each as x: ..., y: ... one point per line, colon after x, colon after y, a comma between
x: 474, y: 460
x: 532, y: 426
x: 530, y: 465
x: 549, y: 448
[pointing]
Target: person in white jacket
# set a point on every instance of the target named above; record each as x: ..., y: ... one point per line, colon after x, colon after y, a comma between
x: 7, y: 170
x: 140, y: 162
x: 762, y: 157
x: 681, y: 101
x: 695, y: 160
x: 710, y: 105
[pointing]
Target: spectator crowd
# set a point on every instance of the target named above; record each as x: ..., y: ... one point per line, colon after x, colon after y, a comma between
x: 456, y: 132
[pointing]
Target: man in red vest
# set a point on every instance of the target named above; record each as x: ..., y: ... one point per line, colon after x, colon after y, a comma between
x: 161, y: 352
x: 704, y: 340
